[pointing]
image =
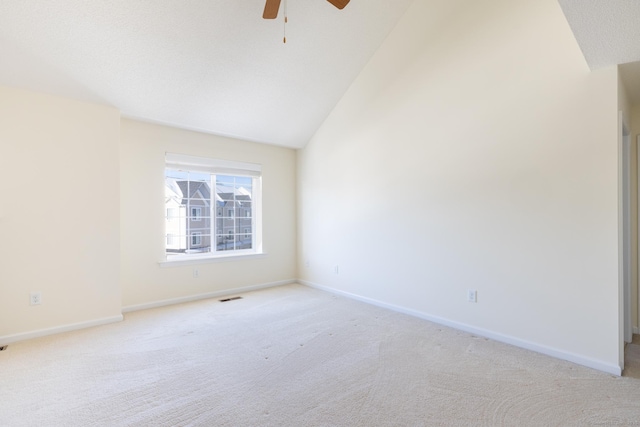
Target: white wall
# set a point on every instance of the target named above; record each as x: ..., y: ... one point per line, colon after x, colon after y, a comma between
x: 634, y: 118
x: 143, y: 148
x: 59, y: 213
x: 626, y: 107
x: 75, y: 178
x: 476, y: 151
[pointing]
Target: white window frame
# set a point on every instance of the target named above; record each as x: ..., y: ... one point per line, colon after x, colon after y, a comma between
x: 220, y: 167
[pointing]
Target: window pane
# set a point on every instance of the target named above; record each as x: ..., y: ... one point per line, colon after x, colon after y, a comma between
x: 195, y: 238
x: 196, y: 213
x: 243, y: 242
x: 224, y: 242
x: 242, y: 223
x: 187, y: 203
x: 243, y: 210
x: 176, y: 243
x: 234, y: 212
x: 199, y: 242
x: 225, y: 179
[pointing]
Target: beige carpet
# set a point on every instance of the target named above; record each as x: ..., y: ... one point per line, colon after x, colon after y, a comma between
x: 295, y: 356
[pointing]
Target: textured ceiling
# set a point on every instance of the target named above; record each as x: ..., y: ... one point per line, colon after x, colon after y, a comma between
x: 608, y: 33
x: 209, y: 65
x: 218, y: 67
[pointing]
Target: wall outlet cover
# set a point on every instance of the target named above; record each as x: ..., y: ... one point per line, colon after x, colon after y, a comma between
x: 35, y: 298
x: 472, y: 295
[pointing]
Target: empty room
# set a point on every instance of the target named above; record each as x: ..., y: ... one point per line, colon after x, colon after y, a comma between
x: 319, y: 213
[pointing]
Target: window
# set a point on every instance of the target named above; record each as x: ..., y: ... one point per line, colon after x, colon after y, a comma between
x: 212, y: 207
x: 196, y: 239
x: 196, y: 213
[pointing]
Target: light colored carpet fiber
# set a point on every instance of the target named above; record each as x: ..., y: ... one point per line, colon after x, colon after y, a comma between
x: 295, y: 356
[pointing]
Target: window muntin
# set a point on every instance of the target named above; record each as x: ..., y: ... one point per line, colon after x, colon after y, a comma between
x: 201, y: 222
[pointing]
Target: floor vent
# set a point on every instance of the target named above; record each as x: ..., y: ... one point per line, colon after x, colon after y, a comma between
x: 3, y: 347
x: 230, y: 299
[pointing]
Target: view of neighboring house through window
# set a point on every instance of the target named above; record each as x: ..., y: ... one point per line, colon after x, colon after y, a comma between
x: 212, y: 207
x: 196, y: 239
x: 196, y: 213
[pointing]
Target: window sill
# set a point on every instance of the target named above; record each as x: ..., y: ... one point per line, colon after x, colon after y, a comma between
x: 192, y: 260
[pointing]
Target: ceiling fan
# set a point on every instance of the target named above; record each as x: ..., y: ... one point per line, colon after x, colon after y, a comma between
x: 271, y: 7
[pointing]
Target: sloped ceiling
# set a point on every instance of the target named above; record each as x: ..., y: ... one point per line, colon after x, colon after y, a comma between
x: 209, y: 65
x: 218, y: 67
x: 608, y: 33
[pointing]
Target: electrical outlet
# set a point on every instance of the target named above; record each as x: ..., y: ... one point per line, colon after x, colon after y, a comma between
x: 196, y: 273
x: 306, y: 263
x: 336, y: 270
x: 472, y: 295
x: 35, y: 298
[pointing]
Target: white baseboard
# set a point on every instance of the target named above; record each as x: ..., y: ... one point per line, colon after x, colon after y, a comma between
x: 549, y: 351
x: 217, y: 294
x: 8, y: 339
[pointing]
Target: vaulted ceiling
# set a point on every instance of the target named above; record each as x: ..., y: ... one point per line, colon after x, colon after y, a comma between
x: 209, y: 65
x: 608, y: 33
x: 218, y: 67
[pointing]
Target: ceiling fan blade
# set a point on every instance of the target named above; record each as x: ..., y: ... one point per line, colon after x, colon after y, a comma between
x: 271, y: 8
x: 340, y: 4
